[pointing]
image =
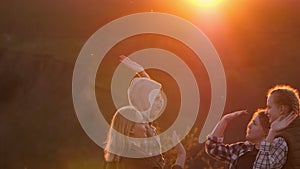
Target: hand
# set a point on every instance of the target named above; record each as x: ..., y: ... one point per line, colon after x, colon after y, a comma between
x: 131, y: 64
x: 222, y: 124
x: 231, y: 116
x: 282, y: 122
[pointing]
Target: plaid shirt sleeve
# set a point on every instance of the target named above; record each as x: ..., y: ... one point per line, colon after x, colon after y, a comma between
x: 215, y: 147
x: 271, y: 155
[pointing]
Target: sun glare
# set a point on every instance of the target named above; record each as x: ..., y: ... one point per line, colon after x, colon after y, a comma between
x: 207, y: 3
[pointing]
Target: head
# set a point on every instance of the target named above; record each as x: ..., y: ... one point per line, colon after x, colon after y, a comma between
x: 281, y: 101
x: 146, y: 96
x: 157, y: 106
x: 126, y: 122
x: 258, y: 127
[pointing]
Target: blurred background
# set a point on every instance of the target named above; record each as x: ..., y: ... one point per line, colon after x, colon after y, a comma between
x: 257, y: 41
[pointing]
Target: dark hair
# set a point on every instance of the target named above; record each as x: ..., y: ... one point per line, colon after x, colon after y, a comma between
x: 286, y: 95
x: 263, y: 119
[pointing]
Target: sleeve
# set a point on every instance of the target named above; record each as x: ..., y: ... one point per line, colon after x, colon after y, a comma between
x: 215, y: 147
x: 271, y: 155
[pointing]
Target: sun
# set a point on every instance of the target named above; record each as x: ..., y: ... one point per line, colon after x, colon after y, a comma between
x: 208, y: 3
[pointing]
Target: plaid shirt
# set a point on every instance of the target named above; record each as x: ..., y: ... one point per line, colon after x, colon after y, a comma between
x: 271, y: 155
x: 230, y: 153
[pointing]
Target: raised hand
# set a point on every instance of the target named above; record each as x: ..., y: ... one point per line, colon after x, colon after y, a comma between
x: 222, y: 124
x: 231, y: 116
x: 131, y: 64
x: 282, y: 122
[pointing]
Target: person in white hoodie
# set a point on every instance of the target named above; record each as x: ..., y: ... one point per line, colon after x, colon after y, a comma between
x: 145, y: 96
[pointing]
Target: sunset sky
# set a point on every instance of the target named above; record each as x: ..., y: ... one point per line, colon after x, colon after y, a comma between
x: 257, y: 42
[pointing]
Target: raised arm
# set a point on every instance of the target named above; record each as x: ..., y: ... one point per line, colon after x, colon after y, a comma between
x: 214, y: 145
x: 222, y: 124
x: 134, y: 66
x: 280, y: 124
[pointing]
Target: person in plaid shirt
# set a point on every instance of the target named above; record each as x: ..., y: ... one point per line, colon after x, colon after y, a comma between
x: 281, y: 147
x: 242, y: 154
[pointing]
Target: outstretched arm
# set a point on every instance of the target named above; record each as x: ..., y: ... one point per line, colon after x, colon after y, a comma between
x: 134, y: 66
x: 222, y: 124
x: 214, y: 145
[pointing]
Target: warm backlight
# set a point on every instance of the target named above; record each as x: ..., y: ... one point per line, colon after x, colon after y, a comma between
x: 206, y: 2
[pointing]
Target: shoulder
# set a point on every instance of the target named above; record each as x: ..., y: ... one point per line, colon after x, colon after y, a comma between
x: 280, y: 142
